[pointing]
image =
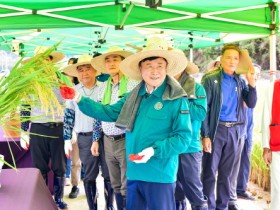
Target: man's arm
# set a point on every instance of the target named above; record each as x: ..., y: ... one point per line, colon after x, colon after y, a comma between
x: 69, y: 120
x: 106, y: 113
x: 198, y: 106
x: 205, y: 129
x: 249, y: 94
x: 266, y: 119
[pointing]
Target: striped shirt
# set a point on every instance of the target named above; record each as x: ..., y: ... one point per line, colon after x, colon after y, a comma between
x: 109, y: 128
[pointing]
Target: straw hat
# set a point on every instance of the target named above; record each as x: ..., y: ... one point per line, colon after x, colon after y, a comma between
x: 57, y: 56
x: 191, y: 67
x: 156, y: 46
x: 99, y: 61
x: 212, y: 64
x: 72, y: 69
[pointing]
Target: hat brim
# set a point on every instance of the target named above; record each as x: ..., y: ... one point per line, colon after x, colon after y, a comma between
x: 176, y: 62
x: 193, y: 69
x: 57, y: 56
x: 71, y: 70
x: 99, y: 61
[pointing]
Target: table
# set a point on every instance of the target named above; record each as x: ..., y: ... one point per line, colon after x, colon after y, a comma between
x: 22, y: 157
x: 24, y: 189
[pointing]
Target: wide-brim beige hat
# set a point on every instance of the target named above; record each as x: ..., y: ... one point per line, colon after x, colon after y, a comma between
x: 57, y: 56
x: 191, y: 68
x: 82, y: 60
x: 99, y: 61
x: 212, y: 64
x: 156, y: 46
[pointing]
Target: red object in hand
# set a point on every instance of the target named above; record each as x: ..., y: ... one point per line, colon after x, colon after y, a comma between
x: 67, y: 92
x: 134, y: 157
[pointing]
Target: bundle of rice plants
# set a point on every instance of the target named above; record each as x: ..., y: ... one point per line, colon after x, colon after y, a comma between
x: 31, y: 83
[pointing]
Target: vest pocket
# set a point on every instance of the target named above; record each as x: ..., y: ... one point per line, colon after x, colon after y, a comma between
x: 274, y: 134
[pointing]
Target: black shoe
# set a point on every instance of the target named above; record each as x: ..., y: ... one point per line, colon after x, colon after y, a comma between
x: 74, y: 192
x: 234, y: 207
x: 61, y: 205
x: 246, y: 196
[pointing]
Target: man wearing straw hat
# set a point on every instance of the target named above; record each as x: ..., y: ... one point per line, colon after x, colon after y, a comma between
x: 44, y: 148
x: 188, y: 179
x: 156, y: 118
x: 89, y: 133
x: 111, y: 91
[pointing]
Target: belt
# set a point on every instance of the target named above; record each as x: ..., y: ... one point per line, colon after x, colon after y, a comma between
x: 230, y: 124
x: 86, y: 133
x: 50, y: 124
x: 115, y: 137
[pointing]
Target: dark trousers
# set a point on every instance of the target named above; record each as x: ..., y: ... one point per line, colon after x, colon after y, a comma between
x: 221, y: 160
x: 150, y: 196
x: 91, y: 163
x: 188, y: 179
x: 44, y: 149
x: 245, y: 165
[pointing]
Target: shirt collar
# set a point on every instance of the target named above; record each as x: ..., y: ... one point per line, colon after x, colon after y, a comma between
x: 158, y: 92
x: 227, y: 76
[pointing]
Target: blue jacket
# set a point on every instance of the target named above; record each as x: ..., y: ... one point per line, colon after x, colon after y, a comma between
x: 212, y: 83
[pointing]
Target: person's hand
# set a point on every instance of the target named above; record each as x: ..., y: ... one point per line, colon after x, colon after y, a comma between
x: 67, y: 148
x: 251, y: 78
x: 207, y: 145
x: 144, y: 156
x: 74, y: 137
x: 95, y: 148
x: 267, y: 156
x: 69, y: 93
x: 24, y: 140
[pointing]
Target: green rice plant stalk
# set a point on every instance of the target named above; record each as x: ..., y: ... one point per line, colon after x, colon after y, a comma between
x: 258, y: 164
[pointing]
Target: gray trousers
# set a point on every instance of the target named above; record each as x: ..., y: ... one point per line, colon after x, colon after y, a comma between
x: 116, y: 161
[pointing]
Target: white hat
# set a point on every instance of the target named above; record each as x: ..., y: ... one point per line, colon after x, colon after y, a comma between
x: 57, y: 56
x: 156, y: 46
x: 72, y: 69
x: 99, y: 61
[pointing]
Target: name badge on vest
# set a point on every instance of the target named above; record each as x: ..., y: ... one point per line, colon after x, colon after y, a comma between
x: 158, y: 106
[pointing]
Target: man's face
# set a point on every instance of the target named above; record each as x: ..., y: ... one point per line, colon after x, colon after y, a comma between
x: 230, y: 61
x: 154, y: 72
x: 112, y: 63
x: 86, y: 73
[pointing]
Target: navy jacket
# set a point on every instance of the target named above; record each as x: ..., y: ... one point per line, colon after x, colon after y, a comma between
x: 212, y: 83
